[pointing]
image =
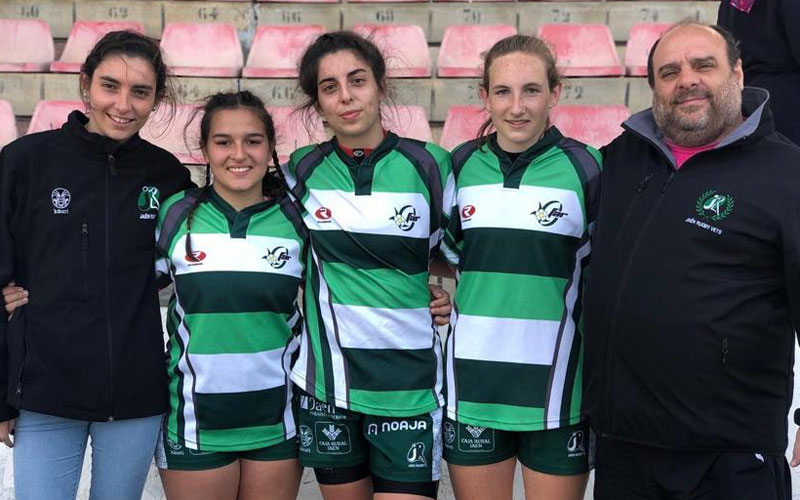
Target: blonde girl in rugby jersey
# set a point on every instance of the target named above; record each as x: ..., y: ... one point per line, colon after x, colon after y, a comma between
x: 519, y: 236
x: 370, y: 364
x: 234, y: 250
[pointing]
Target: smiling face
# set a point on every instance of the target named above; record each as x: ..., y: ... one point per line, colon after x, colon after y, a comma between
x: 349, y: 99
x: 697, y: 95
x: 238, y: 153
x: 519, y: 99
x: 120, y: 96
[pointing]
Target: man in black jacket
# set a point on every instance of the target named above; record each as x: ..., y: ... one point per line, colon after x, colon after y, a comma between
x: 695, y: 285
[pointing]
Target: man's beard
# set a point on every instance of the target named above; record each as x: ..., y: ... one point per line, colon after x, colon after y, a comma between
x: 723, y: 114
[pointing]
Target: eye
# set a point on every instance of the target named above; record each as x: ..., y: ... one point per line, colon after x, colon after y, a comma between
x: 107, y: 85
x: 359, y: 81
x: 222, y: 142
x: 531, y: 91
x: 501, y: 92
x: 142, y: 93
x: 328, y: 89
x: 255, y: 142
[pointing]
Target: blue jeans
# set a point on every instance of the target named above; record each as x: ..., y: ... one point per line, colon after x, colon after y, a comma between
x: 48, y: 456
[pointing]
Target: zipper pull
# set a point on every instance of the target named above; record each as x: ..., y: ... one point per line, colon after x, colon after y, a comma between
x: 85, y: 235
x: 724, y: 350
x: 111, y: 164
x: 19, y: 388
x: 644, y: 182
x: 668, y: 182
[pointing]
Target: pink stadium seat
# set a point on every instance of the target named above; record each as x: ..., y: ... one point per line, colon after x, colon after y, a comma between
x: 461, y: 124
x: 583, y: 49
x: 408, y: 121
x: 385, y: 1
x: 292, y: 131
x: 640, y: 40
x: 462, y: 46
x: 82, y: 37
x: 8, y: 124
x: 49, y: 115
x: 202, y: 49
x: 276, y: 50
x: 25, y: 45
x: 593, y: 125
x: 403, y: 45
x: 170, y: 135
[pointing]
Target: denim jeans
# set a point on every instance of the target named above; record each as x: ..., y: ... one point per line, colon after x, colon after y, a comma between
x: 49, y: 450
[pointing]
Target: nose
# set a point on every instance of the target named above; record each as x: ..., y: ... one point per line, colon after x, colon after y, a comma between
x: 123, y: 102
x: 688, y: 78
x: 344, y: 94
x: 238, y: 152
x: 516, y: 104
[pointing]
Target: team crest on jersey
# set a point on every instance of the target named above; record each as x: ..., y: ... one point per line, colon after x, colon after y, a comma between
x: 148, y: 202
x: 416, y: 455
x: 549, y: 213
x: 575, y: 445
x: 405, y: 218
x: 712, y: 206
x: 277, y: 257
x: 61, y: 199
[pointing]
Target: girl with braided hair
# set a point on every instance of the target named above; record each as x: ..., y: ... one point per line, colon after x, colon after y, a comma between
x: 234, y: 250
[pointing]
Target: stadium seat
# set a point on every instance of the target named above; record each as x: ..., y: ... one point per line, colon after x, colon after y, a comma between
x: 462, y: 46
x: 593, y: 125
x: 408, y: 121
x: 385, y: 1
x: 173, y: 135
x: 292, y: 131
x: 640, y: 40
x: 25, y: 45
x: 276, y: 50
x: 461, y: 124
x: 82, y: 37
x: 403, y: 46
x: 582, y: 49
x: 297, y: 1
x: 211, y: 49
x: 50, y: 115
x: 8, y: 124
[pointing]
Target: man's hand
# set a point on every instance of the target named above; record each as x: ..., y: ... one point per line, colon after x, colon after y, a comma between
x: 14, y: 296
x: 440, y: 305
x: 6, y: 431
x: 796, y: 449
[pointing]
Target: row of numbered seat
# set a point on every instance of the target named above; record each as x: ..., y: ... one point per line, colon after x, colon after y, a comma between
x: 594, y: 125
x: 214, y: 50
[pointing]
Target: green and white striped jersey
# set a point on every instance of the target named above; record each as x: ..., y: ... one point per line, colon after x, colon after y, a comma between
x: 368, y: 342
x: 232, y: 319
x: 519, y: 234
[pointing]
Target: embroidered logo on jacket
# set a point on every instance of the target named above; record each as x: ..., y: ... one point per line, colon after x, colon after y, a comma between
x: 277, y: 257
x: 148, y: 202
x: 713, y: 206
x: 61, y: 199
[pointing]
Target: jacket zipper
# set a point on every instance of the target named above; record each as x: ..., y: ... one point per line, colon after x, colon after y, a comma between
x: 112, y: 170
x: 629, y: 211
x: 85, y: 256
x: 615, y: 306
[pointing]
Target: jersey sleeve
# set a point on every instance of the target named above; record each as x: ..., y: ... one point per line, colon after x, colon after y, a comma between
x: 170, y: 216
x: 448, y: 186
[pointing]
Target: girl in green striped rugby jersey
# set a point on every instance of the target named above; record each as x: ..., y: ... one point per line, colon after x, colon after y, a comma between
x: 370, y: 362
x: 234, y: 250
x: 519, y: 236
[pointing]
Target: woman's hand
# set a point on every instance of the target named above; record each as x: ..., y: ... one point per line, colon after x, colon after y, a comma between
x: 14, y: 296
x: 440, y: 305
x: 6, y: 431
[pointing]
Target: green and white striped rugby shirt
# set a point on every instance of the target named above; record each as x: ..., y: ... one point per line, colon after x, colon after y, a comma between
x: 520, y: 237
x: 368, y: 343
x: 232, y: 320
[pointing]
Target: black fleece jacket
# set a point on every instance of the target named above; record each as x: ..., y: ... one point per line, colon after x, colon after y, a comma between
x: 77, y: 222
x: 694, y: 289
x: 769, y: 38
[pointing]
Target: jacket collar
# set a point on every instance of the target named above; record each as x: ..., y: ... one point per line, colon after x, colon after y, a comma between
x: 755, y: 107
x: 96, y: 144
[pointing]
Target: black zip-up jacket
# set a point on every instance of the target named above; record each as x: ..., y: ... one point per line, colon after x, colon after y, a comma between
x: 695, y: 284
x: 769, y: 37
x: 77, y: 223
